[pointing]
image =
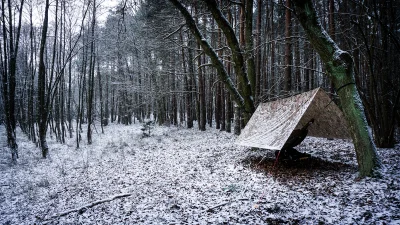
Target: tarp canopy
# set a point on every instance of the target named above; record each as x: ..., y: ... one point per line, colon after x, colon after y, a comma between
x: 272, y: 123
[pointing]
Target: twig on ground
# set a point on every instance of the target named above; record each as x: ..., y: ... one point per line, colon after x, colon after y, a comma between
x: 90, y: 205
x: 225, y: 203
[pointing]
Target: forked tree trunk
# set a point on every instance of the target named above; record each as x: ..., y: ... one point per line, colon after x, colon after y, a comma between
x: 339, y: 65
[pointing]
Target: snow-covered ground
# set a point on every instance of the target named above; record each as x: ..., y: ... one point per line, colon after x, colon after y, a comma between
x: 185, y: 176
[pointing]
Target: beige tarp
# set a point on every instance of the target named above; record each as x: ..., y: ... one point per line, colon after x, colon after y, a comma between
x: 273, y: 122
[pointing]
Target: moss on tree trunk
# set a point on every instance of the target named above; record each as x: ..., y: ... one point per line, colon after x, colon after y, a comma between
x: 339, y: 65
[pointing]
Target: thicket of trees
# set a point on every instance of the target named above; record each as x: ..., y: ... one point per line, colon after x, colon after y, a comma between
x: 183, y: 62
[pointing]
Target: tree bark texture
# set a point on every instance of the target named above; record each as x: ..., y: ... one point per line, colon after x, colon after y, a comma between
x: 288, y: 48
x: 42, y: 102
x: 237, y: 57
x: 8, y: 70
x: 248, y: 34
x: 339, y: 66
x: 92, y: 63
x: 245, y: 101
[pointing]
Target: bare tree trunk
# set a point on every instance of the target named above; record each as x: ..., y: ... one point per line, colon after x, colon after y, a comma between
x: 288, y: 48
x: 332, y: 28
x: 307, y: 59
x: 248, y: 33
x: 190, y: 106
x: 56, y: 112
x: 81, y: 90
x: 187, y: 77
x: 313, y: 62
x: 32, y: 75
x: 112, y: 111
x: 339, y: 65
x: 223, y: 105
x: 174, y: 100
x: 142, y: 110
x: 297, y: 73
x: 43, y: 106
x: 376, y: 62
x: 273, y: 76
x: 63, y: 65
x: 257, y: 89
x: 54, y: 105
x: 218, y: 105
x: 229, y: 113
x: 237, y: 57
x: 202, y: 97
x: 209, y: 96
x: 216, y: 62
x: 91, y: 77
x: 265, y: 65
x: 237, y: 126
x: 69, y: 108
x: 237, y: 112
x: 107, y: 110
x: 8, y: 70
x: 201, y: 91
x: 219, y: 89
x: 102, y: 123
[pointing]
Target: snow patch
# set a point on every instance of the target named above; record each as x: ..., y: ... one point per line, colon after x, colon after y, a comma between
x: 186, y: 176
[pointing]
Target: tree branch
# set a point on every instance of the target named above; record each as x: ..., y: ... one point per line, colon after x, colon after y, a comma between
x: 237, y: 56
x: 217, y: 63
x: 174, y: 32
x: 85, y: 207
x: 340, y: 67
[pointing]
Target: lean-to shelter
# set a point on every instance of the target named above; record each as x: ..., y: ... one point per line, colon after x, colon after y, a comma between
x: 272, y: 123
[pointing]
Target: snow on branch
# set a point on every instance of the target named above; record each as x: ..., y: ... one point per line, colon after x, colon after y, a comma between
x: 174, y: 32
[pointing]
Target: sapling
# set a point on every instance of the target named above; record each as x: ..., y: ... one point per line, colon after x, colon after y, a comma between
x: 147, y: 128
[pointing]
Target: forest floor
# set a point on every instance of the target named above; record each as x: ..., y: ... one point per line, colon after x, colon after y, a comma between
x: 185, y: 176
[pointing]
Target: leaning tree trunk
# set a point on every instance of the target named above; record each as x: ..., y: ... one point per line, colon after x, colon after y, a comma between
x: 339, y: 65
x: 237, y: 57
x: 245, y: 102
